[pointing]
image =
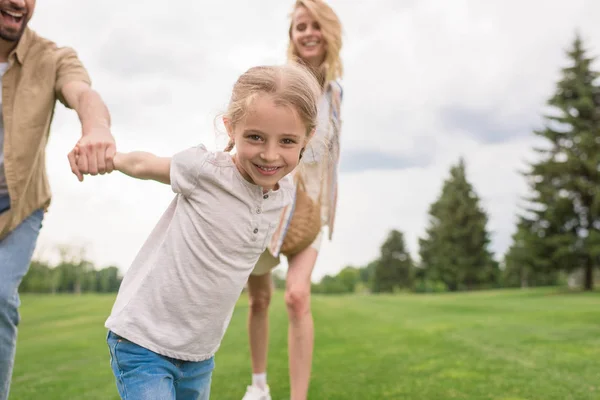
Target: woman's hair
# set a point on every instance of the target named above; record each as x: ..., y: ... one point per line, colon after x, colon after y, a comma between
x: 331, y: 28
x: 290, y: 85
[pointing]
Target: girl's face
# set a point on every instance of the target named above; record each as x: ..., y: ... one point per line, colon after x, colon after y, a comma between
x: 268, y: 142
x: 307, y: 37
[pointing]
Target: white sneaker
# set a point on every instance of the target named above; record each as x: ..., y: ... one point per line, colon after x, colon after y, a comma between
x: 255, y: 393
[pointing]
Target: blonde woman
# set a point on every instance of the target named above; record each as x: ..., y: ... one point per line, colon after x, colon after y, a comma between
x: 315, y: 41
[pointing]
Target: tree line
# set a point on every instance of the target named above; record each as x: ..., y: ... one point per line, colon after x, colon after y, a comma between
x: 557, y: 236
x: 72, y: 274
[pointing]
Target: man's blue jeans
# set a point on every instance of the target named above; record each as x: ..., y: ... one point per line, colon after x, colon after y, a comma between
x: 16, y: 251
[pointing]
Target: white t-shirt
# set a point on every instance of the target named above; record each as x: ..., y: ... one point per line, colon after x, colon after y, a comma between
x: 178, y: 296
x: 3, y: 187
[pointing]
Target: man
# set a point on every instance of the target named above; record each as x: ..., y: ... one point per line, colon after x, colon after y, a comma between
x: 35, y: 73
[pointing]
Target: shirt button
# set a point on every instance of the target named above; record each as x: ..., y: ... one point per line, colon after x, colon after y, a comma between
x: 258, y: 210
x: 266, y: 196
x: 255, y: 230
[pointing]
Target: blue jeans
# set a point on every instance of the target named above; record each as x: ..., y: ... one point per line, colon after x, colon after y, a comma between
x: 142, y: 374
x: 16, y: 250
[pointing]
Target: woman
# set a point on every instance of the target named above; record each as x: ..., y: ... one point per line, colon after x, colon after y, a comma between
x: 315, y: 41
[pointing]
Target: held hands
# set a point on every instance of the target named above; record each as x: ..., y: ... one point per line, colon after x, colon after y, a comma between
x: 136, y: 164
x: 93, y: 154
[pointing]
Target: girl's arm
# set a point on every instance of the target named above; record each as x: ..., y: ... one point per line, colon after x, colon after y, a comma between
x: 143, y: 165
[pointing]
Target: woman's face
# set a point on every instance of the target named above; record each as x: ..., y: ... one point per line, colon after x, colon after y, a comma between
x: 307, y: 37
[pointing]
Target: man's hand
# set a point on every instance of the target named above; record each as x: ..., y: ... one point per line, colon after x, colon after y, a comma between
x: 95, y: 154
x: 97, y: 145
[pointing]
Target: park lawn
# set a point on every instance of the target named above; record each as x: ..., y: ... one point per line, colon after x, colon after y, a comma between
x: 500, y: 345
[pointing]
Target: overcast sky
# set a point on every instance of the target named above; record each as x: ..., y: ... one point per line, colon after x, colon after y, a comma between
x: 425, y: 82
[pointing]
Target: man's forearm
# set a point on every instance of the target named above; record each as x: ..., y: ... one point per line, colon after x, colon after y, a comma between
x: 92, y: 112
x: 96, y: 147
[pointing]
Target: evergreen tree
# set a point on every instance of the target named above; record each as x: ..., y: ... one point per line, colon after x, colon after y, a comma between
x: 455, y: 249
x: 563, y: 217
x: 394, y: 267
x: 525, y: 264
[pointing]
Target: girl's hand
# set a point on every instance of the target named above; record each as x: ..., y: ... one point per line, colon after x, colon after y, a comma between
x: 73, y: 157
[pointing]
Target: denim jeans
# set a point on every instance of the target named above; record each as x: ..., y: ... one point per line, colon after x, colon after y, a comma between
x: 142, y: 374
x: 16, y: 250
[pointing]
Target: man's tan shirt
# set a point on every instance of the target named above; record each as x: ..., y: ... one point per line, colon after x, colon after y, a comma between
x: 37, y: 72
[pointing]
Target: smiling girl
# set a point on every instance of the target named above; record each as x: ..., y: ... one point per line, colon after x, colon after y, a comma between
x: 177, y: 298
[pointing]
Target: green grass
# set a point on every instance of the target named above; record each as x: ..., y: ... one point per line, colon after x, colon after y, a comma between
x: 500, y: 345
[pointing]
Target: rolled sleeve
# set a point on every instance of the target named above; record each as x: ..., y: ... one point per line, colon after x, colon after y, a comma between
x: 68, y: 69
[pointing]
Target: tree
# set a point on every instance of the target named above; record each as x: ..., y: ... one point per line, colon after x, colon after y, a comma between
x: 38, y: 278
x: 349, y: 277
x: 394, y: 266
x: 524, y: 261
x: 455, y: 249
x: 278, y: 278
x: 344, y: 282
x: 329, y: 284
x: 366, y: 273
x: 563, y: 213
x: 73, y: 274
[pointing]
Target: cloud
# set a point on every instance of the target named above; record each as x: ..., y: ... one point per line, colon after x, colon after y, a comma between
x: 488, y: 126
x: 357, y: 161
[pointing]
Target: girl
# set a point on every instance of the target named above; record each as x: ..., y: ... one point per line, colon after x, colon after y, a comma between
x: 178, y: 296
x: 315, y: 40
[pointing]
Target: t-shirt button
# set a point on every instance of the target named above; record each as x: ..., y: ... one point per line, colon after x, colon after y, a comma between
x: 255, y: 230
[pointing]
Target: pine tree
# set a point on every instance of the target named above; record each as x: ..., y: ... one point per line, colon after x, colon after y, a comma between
x: 525, y: 264
x: 563, y: 217
x: 394, y: 267
x: 455, y: 249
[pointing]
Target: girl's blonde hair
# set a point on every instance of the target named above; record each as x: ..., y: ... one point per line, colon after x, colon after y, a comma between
x: 331, y: 28
x: 290, y: 85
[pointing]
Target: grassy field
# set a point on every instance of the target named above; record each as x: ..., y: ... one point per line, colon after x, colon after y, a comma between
x: 502, y: 345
